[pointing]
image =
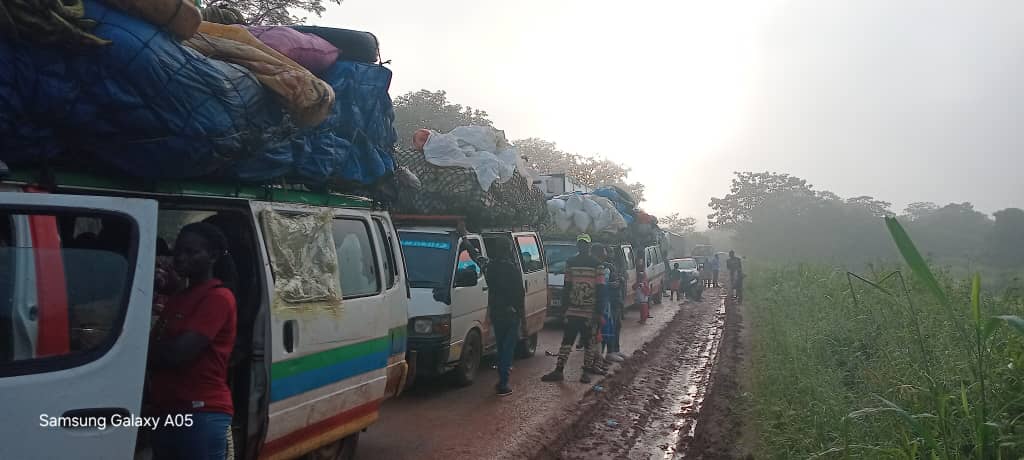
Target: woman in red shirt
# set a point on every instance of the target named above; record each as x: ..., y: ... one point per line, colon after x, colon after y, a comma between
x: 192, y: 342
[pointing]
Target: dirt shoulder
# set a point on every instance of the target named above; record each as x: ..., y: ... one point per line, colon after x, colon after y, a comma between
x: 723, y: 431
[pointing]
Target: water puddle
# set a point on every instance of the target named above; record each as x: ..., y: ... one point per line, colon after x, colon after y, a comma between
x: 684, y: 392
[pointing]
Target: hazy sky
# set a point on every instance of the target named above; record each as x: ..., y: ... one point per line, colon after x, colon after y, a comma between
x: 902, y: 100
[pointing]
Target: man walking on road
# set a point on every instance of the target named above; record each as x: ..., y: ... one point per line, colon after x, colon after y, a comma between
x: 715, y: 266
x: 505, y: 301
x: 735, y: 267
x: 580, y: 299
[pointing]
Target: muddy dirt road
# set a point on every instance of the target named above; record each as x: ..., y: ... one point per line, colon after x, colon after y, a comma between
x: 671, y: 354
x: 651, y: 409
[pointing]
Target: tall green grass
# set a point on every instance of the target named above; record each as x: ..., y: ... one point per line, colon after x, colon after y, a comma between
x: 912, y: 365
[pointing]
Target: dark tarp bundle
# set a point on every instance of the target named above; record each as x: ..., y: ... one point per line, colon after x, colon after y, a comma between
x: 456, y: 191
x: 152, y: 108
x: 48, y: 21
x: 356, y: 142
x: 144, y: 104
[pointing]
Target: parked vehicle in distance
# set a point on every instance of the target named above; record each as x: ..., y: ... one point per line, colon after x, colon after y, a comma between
x: 558, y: 252
x: 449, y: 328
x: 687, y: 265
x: 654, y: 265
x: 701, y: 253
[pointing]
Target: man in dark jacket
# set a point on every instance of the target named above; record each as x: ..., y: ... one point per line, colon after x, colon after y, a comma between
x: 505, y: 301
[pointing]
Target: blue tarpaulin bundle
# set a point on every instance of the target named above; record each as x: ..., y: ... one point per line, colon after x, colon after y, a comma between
x: 354, y: 144
x: 625, y: 204
x: 152, y: 108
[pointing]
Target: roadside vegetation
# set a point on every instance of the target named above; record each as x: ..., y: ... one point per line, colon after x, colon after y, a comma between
x: 867, y: 345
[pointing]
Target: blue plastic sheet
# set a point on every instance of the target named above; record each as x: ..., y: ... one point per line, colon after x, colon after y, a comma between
x: 152, y: 108
x: 624, y: 208
x: 144, y: 104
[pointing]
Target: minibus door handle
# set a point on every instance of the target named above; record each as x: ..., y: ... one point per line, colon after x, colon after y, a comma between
x: 290, y: 335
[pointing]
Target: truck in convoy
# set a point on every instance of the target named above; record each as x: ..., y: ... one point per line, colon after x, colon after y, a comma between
x: 308, y: 372
x: 449, y: 328
x: 675, y: 246
x: 558, y: 184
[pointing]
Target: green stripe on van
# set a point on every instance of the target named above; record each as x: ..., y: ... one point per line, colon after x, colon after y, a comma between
x: 291, y: 367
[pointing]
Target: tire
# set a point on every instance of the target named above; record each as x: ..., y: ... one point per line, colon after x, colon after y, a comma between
x: 469, y: 360
x: 659, y: 294
x: 343, y: 449
x: 527, y: 347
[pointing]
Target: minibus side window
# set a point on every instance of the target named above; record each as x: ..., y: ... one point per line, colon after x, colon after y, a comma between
x: 61, y: 296
x: 530, y: 258
x: 628, y: 251
x: 390, y: 265
x: 356, y: 258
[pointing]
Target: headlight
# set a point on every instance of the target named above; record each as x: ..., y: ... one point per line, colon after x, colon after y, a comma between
x: 440, y: 325
x: 422, y: 326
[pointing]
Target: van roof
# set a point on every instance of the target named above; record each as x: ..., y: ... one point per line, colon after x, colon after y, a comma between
x: 274, y: 193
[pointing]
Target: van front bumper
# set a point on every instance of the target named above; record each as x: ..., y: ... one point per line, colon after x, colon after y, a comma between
x: 430, y: 354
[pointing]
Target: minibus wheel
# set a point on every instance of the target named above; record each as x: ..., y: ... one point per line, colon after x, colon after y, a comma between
x: 342, y: 449
x: 526, y: 347
x: 469, y: 360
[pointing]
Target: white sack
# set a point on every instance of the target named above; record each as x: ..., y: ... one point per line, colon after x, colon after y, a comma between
x: 480, y: 148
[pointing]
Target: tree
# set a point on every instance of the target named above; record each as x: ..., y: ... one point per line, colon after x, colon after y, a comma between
x: 877, y: 208
x: 275, y: 12
x: 794, y: 225
x: 432, y: 110
x: 954, y: 231
x: 747, y: 192
x: 917, y: 210
x: 681, y: 225
x: 1006, y: 240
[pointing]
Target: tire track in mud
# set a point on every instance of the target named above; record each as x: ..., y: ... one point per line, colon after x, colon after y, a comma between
x: 649, y: 408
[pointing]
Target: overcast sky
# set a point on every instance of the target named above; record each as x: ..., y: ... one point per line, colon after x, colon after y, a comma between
x: 906, y: 100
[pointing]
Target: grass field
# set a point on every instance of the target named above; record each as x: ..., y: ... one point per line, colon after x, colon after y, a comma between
x: 841, y: 368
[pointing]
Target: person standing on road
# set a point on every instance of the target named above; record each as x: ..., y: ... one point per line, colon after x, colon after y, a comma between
x: 674, y: 280
x: 505, y: 306
x: 580, y: 299
x: 641, y: 295
x: 616, y: 284
x: 735, y: 267
x: 715, y: 266
x: 602, y: 313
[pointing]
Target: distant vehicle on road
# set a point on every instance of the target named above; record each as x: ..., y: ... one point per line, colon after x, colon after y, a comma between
x: 690, y: 282
x: 701, y: 253
x: 687, y: 265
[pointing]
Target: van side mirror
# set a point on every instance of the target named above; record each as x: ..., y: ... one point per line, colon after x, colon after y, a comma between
x: 466, y: 277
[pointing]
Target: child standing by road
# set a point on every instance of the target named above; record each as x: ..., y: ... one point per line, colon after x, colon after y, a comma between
x: 640, y: 291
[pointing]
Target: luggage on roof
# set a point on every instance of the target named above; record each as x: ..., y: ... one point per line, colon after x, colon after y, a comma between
x: 151, y: 108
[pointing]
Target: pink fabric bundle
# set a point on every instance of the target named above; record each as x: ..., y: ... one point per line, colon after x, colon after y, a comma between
x: 308, y: 50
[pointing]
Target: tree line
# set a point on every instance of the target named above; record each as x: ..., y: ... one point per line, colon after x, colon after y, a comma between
x: 781, y: 218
